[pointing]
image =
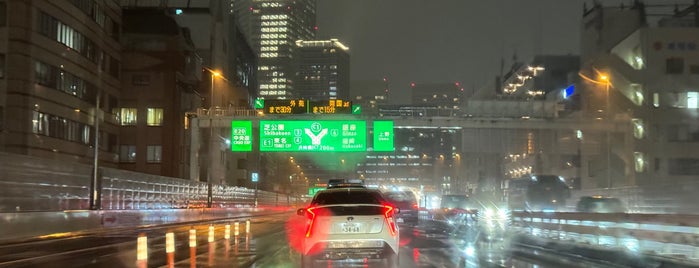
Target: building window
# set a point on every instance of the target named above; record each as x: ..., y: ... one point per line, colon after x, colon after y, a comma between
x: 56, y: 78
x: 140, y: 80
x: 674, y: 66
x: 128, y: 116
x: 638, y: 128
x: 66, y: 35
x: 61, y: 128
x: 656, y: 100
x: 683, y: 133
x: 155, y: 116
x: 639, y: 162
x: 683, y: 166
x: 154, y: 154
x: 127, y: 154
x: 692, y: 100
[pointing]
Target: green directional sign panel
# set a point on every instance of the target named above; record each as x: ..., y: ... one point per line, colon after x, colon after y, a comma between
x: 356, y: 109
x: 259, y: 103
x: 383, y: 136
x: 312, y: 136
x: 241, y: 136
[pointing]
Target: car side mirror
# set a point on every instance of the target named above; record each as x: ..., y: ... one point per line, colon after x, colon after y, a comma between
x: 397, y: 210
x: 301, y: 212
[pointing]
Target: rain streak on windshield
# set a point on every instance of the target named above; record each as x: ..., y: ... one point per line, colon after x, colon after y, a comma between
x: 309, y: 133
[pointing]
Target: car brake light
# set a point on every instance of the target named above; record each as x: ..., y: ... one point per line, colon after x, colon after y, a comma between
x: 415, y: 205
x: 388, y: 212
x: 309, y: 224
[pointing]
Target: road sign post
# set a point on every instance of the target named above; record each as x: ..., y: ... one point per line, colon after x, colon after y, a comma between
x: 255, y: 178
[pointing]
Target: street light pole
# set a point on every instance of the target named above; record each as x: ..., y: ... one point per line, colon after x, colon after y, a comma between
x: 209, y: 177
x: 609, y: 139
x: 605, y: 78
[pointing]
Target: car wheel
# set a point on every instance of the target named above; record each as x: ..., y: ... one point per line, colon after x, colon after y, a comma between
x: 392, y: 261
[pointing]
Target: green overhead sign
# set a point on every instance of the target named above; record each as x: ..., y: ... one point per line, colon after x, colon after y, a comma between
x: 241, y: 136
x: 383, y: 136
x: 313, y: 136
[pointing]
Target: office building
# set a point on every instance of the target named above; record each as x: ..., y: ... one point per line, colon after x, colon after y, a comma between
x: 60, y: 64
x: 272, y: 28
x: 322, y: 70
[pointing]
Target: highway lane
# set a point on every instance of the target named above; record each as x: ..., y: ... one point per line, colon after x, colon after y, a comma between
x: 271, y: 242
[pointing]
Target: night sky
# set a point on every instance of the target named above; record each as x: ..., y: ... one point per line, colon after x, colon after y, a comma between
x: 449, y: 40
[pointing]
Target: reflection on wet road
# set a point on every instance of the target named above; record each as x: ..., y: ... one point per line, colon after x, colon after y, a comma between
x: 270, y: 242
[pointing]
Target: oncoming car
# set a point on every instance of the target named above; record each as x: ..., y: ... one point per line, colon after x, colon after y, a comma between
x: 456, y: 208
x: 350, y: 224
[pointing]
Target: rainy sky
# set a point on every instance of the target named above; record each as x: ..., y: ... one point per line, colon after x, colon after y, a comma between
x: 449, y: 40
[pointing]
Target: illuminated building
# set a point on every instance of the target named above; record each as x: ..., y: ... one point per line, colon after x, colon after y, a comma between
x: 322, y: 70
x: 437, y: 99
x: 272, y: 28
x: 650, y: 63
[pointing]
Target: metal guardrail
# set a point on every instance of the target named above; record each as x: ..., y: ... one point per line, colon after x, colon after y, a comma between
x: 666, y: 235
x: 677, y: 198
x: 36, y: 184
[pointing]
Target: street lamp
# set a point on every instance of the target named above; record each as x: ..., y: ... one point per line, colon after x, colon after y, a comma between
x: 604, y: 78
x: 209, y: 177
x: 607, y: 83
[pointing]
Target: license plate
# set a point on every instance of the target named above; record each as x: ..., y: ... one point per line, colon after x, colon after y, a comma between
x: 350, y: 228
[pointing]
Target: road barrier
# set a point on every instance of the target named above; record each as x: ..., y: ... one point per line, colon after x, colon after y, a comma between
x: 665, y: 235
x: 36, y: 184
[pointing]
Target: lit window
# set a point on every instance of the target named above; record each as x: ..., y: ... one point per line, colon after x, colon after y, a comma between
x: 155, y: 116
x: 640, y: 162
x: 154, y: 154
x: 127, y: 154
x: 656, y: 100
x: 638, y: 128
x: 128, y: 116
x: 692, y: 100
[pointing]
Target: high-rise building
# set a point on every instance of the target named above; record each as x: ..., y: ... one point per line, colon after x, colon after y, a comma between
x: 65, y: 63
x: 322, y: 70
x: 272, y: 28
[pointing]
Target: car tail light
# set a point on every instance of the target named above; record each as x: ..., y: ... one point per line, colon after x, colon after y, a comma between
x: 309, y: 223
x: 415, y: 205
x: 388, y: 212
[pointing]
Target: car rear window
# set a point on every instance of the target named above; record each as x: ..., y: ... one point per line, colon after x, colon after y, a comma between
x: 454, y: 201
x: 346, y: 197
x: 400, y: 196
